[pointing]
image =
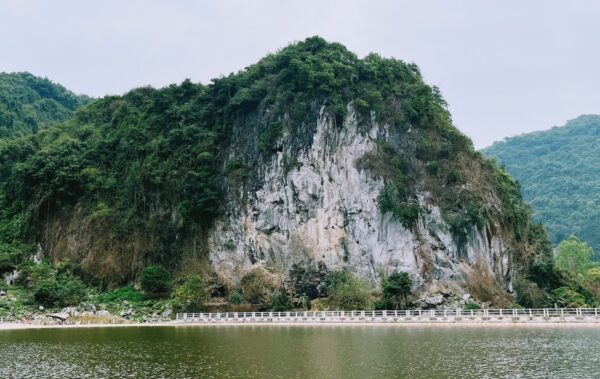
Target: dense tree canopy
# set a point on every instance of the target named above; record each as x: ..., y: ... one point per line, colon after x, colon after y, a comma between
x: 29, y: 103
x: 559, y: 172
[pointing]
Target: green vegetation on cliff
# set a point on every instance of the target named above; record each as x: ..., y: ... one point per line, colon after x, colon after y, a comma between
x: 559, y: 172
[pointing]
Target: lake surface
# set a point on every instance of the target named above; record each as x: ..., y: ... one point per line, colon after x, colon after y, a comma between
x: 302, y: 352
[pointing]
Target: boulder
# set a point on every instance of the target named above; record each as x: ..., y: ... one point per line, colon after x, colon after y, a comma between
x: 59, y: 316
x: 89, y: 307
x: 434, y: 300
x: 126, y: 313
x: 71, y: 311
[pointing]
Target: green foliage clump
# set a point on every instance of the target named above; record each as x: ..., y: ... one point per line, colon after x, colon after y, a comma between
x: 558, y: 172
x: 257, y: 286
x: 281, y: 301
x: 236, y: 298
x: 155, y: 281
x: 397, y: 195
x: 593, y: 275
x: 126, y: 293
x: 396, y: 289
x: 469, y: 306
x: 59, y: 291
x: 190, y: 295
x: 565, y: 297
x: 347, y: 292
x: 267, y: 140
x: 574, y: 256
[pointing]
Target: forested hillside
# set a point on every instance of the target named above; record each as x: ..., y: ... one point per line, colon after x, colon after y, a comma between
x: 559, y: 172
x: 29, y: 103
x: 225, y: 187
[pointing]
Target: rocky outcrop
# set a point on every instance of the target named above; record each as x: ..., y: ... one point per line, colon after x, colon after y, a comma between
x: 325, y: 209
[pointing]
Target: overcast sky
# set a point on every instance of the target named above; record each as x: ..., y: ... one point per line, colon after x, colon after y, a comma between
x: 505, y: 67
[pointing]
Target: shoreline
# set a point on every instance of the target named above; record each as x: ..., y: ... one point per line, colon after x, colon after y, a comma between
x: 480, y: 324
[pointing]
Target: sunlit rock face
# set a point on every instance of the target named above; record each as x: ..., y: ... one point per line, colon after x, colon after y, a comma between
x: 325, y: 209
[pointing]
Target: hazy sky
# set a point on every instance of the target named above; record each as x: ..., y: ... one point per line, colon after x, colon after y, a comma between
x: 505, y: 67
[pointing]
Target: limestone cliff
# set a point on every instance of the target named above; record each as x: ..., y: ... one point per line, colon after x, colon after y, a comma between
x: 325, y: 209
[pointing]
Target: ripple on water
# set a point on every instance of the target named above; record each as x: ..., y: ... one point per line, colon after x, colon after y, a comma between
x: 301, y: 352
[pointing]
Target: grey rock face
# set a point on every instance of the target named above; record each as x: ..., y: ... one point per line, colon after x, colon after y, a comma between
x: 325, y: 209
x: 11, y: 278
x: 434, y: 300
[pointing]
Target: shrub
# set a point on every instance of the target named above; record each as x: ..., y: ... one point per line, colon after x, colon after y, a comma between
x: 236, y: 298
x: 32, y: 273
x: 267, y: 141
x: 281, y: 301
x: 347, y: 292
x: 453, y: 177
x: 483, y: 286
x: 565, y: 297
x: 433, y: 168
x: 6, y: 266
x: 257, y: 286
x: 156, y: 281
x: 469, y: 306
x: 528, y: 293
x: 593, y: 275
x: 396, y: 289
x: 405, y: 211
x: 190, y: 296
x: 60, y: 291
x: 127, y: 293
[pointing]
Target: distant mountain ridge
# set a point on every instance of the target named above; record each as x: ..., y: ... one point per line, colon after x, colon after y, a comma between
x: 559, y: 172
x: 28, y: 103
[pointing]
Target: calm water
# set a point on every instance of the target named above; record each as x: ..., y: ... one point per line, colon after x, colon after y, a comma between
x: 302, y: 352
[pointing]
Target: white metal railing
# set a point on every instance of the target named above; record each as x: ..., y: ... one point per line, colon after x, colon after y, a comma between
x: 388, y: 314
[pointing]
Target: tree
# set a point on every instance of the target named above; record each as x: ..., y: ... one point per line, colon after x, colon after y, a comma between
x: 565, y: 297
x: 574, y: 256
x: 347, y: 292
x: 281, y: 301
x: 593, y: 275
x: 156, y: 281
x: 190, y: 296
x: 59, y: 291
x: 257, y: 286
x: 396, y: 289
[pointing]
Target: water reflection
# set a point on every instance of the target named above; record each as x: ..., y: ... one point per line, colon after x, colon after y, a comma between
x: 302, y: 352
